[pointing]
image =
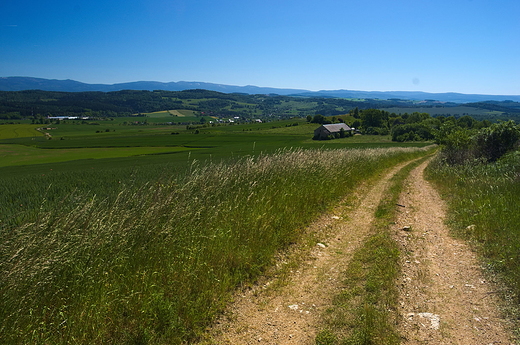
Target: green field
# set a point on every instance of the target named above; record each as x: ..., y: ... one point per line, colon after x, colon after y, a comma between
x: 172, y: 113
x: 447, y: 111
x: 137, y: 229
x: 18, y: 131
x: 122, y: 142
x: 12, y: 155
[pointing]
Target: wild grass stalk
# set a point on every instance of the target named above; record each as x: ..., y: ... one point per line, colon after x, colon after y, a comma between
x: 155, y: 263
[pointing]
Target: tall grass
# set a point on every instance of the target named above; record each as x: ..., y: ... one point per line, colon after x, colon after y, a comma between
x: 24, y: 197
x: 483, y: 204
x: 153, y: 264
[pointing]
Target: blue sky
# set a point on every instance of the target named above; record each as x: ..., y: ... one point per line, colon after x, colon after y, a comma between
x: 468, y: 46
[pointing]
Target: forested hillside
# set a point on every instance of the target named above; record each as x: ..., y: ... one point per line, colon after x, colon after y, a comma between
x: 36, y: 104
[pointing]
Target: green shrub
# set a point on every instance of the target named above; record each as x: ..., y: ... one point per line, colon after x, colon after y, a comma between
x: 412, y: 132
x: 488, y: 144
x: 496, y: 140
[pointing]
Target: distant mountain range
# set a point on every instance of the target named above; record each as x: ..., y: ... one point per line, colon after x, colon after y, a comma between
x: 29, y: 83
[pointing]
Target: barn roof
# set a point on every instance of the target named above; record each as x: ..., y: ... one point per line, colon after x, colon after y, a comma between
x: 336, y: 127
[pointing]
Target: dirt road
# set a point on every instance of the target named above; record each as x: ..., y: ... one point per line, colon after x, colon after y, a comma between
x: 444, y: 297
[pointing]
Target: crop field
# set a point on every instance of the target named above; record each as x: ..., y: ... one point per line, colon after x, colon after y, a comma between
x: 12, y: 155
x: 447, y: 111
x: 132, y: 141
x: 137, y: 229
x: 171, y: 114
x: 166, y: 113
x: 18, y: 131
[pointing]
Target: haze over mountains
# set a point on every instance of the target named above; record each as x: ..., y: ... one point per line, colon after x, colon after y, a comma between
x: 29, y: 83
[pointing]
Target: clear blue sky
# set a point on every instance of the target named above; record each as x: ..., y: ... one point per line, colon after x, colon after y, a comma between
x: 469, y: 46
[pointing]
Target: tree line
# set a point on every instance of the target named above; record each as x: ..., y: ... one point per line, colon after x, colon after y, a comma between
x: 402, y: 127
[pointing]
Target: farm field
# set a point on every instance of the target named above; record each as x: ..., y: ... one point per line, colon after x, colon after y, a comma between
x: 18, y: 131
x: 121, y: 142
x: 13, y: 155
x: 448, y: 111
x: 169, y: 113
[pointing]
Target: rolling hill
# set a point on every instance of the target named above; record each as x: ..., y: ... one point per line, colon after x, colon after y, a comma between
x: 29, y: 83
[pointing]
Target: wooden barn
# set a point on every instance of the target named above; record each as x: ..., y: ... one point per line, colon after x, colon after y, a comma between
x: 324, y: 131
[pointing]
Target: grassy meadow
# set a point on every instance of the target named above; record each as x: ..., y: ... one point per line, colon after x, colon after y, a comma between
x: 18, y: 131
x: 136, y: 230
x: 121, y: 142
x: 12, y: 155
x: 95, y: 156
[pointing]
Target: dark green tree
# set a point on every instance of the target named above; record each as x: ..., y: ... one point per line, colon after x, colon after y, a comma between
x: 498, y: 139
x: 372, y: 118
x: 355, y: 113
x: 319, y: 119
